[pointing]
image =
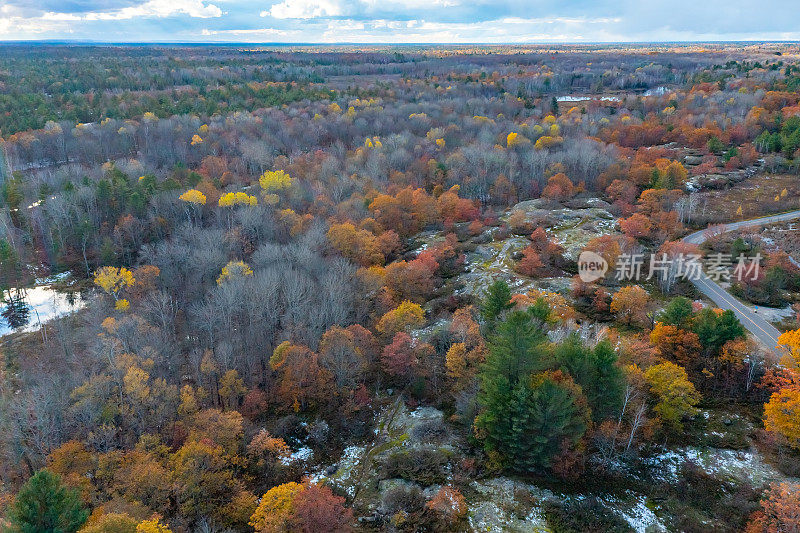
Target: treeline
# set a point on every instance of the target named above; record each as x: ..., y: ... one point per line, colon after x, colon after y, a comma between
x: 88, y: 84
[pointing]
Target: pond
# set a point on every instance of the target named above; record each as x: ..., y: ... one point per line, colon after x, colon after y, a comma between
x: 571, y: 98
x: 46, y: 303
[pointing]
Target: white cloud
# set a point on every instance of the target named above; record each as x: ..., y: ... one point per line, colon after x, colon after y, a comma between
x: 305, y: 9
x: 406, y: 5
x: 504, y: 30
x: 259, y: 32
x: 161, y: 9
x: 395, y: 21
x: 561, y: 20
x: 15, y: 23
x: 311, y: 9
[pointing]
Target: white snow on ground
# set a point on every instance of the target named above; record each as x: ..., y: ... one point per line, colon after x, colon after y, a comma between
x: 487, y: 516
x: 303, y: 454
x: 46, y: 304
x: 497, y: 495
x: 640, y: 517
x: 738, y: 464
x: 776, y: 314
x: 351, y: 457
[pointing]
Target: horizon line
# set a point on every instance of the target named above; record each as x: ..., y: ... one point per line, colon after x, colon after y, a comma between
x: 388, y: 43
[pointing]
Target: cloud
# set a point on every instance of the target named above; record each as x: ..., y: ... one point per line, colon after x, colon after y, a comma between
x: 257, y: 33
x: 152, y: 8
x: 93, y: 19
x: 490, y: 31
x: 69, y: 6
x: 305, y: 9
x: 397, y: 21
x: 312, y: 9
x: 50, y: 18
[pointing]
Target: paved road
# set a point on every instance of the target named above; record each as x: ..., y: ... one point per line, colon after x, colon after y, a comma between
x: 762, y: 330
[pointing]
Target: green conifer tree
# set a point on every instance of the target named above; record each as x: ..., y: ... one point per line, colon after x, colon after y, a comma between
x: 45, y: 505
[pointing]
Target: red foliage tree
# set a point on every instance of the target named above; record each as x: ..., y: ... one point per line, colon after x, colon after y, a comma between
x: 780, y: 511
x: 318, y: 510
x: 530, y: 264
x: 637, y: 226
x: 559, y: 187
x: 399, y: 359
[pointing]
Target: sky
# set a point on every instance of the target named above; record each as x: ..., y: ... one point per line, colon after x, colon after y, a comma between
x: 400, y: 21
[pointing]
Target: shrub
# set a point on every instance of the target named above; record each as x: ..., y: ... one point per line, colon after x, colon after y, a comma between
x: 423, y: 466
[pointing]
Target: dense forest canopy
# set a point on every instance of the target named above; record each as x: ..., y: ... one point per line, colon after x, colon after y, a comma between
x: 284, y: 254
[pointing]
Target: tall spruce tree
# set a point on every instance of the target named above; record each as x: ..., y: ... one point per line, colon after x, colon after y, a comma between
x: 677, y: 313
x: 498, y: 299
x: 714, y: 329
x: 549, y: 415
x: 516, y: 350
x: 596, y: 371
x: 45, y: 505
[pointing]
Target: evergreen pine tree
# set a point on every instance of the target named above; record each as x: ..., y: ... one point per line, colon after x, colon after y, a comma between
x: 677, y: 313
x: 498, y: 299
x: 549, y: 412
x: 515, y: 352
x: 45, y: 505
x: 714, y: 330
x: 17, y: 311
x: 596, y: 371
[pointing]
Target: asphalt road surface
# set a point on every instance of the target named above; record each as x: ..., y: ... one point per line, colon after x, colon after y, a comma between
x: 762, y: 330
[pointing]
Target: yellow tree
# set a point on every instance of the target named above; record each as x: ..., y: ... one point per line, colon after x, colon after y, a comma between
x: 782, y: 415
x: 203, y: 480
x: 275, y: 509
x: 456, y: 360
x: 231, y: 389
x: 193, y: 196
x: 630, y: 304
x: 675, y: 395
x: 272, y: 182
x: 405, y: 316
x: 110, y: 523
x: 358, y: 245
x: 152, y: 526
x: 237, y: 198
x: 511, y: 139
x: 193, y: 200
x: 76, y: 465
x: 113, y: 280
x: 468, y: 351
x: 791, y: 340
x: 782, y: 412
x: 225, y: 428
x: 234, y: 270
x: 188, y: 405
x: 275, y: 180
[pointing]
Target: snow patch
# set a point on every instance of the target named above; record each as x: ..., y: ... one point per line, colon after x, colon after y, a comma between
x: 303, y: 454
x: 742, y: 465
